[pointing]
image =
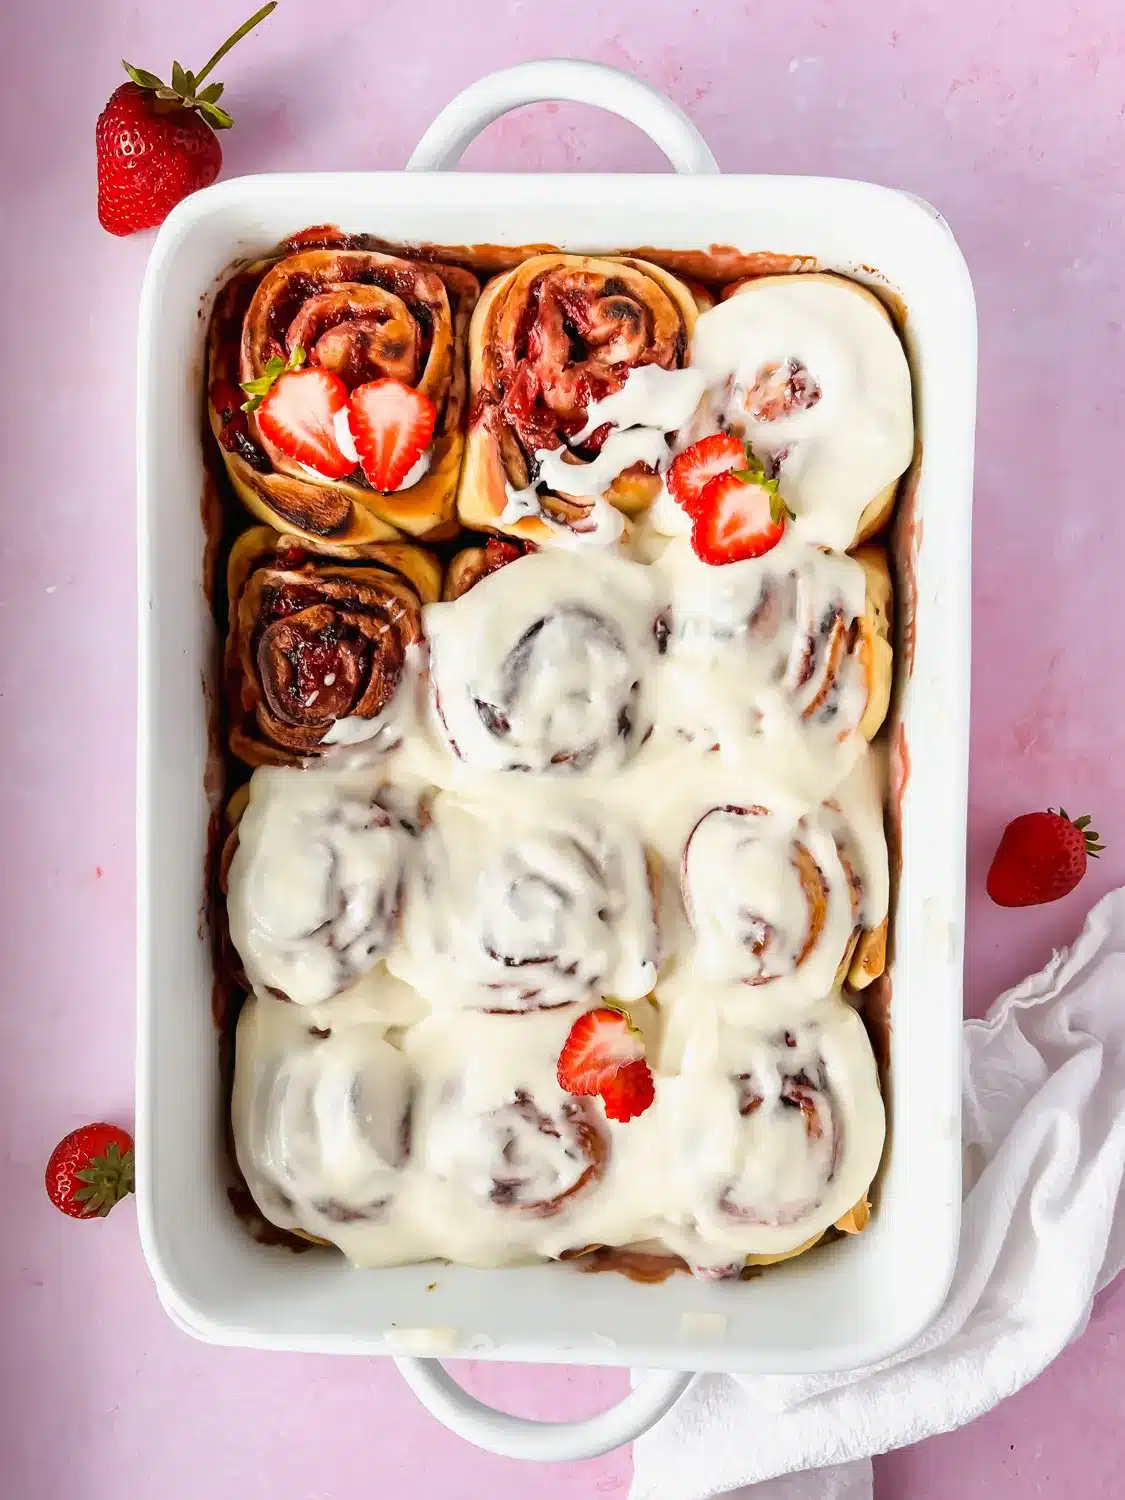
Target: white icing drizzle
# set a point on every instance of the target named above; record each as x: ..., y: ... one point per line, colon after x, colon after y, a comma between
x: 651, y: 397
x: 814, y: 377
x: 524, y: 909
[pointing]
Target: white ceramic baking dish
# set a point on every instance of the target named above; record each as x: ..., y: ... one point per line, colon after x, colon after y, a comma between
x: 858, y: 1299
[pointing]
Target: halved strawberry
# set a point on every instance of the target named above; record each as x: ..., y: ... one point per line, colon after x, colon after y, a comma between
x: 740, y: 515
x: 600, y: 1044
x: 629, y: 1092
x: 693, y: 469
x: 391, y: 425
x: 298, y: 415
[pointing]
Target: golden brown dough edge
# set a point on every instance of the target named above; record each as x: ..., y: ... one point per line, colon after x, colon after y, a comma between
x: 481, y: 494
x: 329, y: 513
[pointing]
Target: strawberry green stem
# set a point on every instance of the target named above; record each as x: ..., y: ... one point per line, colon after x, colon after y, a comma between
x: 237, y: 37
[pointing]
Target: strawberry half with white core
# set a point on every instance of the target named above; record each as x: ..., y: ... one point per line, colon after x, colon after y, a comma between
x: 740, y: 515
x: 391, y: 425
x: 297, y: 409
x: 604, y: 1054
x: 693, y: 469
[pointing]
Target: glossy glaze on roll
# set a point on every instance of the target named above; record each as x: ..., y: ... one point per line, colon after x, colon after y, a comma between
x: 509, y: 909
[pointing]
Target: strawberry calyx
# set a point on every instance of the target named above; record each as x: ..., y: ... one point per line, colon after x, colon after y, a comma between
x: 105, y: 1181
x: 184, y: 91
x: 755, y: 473
x: 1089, y: 836
x: 259, y: 388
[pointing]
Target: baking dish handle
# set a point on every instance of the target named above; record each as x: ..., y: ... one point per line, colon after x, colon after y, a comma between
x: 561, y: 78
x: 545, y: 1442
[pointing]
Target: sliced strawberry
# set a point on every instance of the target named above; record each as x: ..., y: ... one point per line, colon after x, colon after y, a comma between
x: 297, y: 415
x: 629, y: 1092
x: 391, y: 425
x: 740, y: 515
x: 600, y: 1044
x: 693, y: 469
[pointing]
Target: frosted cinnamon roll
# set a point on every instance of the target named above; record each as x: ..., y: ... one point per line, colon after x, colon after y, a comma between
x: 792, y: 646
x: 319, y: 647
x: 810, y: 371
x: 316, y: 880
x: 577, y: 374
x: 513, y: 910
x: 783, y: 902
x: 359, y: 316
x: 513, y: 1167
x: 772, y: 1138
x: 545, y: 666
x: 322, y: 1122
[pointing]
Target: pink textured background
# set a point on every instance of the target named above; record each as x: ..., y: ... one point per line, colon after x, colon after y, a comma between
x: 1007, y: 114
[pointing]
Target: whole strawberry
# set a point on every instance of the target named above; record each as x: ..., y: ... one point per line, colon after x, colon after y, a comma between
x: 90, y: 1171
x: 1041, y: 857
x: 155, y: 143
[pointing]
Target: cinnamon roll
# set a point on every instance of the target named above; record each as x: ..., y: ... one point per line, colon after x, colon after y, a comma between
x: 545, y: 667
x: 316, y: 880
x: 471, y: 564
x: 322, y: 1122
x: 797, y: 904
x: 319, y: 647
x: 577, y: 372
x: 361, y: 316
x: 514, y: 1166
x: 517, y: 910
x: 810, y: 371
x: 772, y: 1137
x: 792, y: 647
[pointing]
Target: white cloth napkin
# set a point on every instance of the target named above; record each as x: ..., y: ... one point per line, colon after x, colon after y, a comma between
x: 1043, y: 1229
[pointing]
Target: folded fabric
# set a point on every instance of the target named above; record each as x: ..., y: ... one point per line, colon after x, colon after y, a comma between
x: 1043, y: 1230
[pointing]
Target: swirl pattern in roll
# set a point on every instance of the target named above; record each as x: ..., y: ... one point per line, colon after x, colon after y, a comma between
x: 519, y: 911
x: 319, y: 646
x: 549, y: 340
x: 792, y: 647
x: 322, y: 1120
x: 316, y: 880
x: 545, y: 667
x: 772, y: 1136
x: 786, y: 902
x: 363, y: 316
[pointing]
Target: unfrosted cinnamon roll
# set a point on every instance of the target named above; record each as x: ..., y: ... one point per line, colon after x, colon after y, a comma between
x: 361, y: 316
x: 810, y: 371
x: 772, y: 1137
x: 511, y: 910
x: 469, y: 566
x: 792, y: 646
x: 782, y: 901
x: 319, y: 646
x: 544, y: 666
x: 321, y: 1119
x: 316, y: 880
x: 577, y: 375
